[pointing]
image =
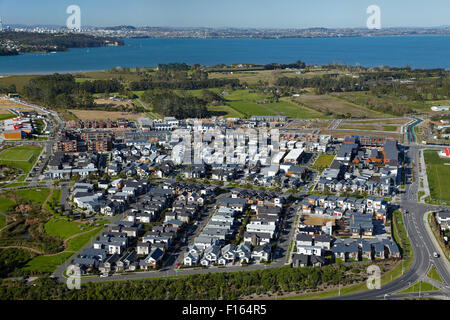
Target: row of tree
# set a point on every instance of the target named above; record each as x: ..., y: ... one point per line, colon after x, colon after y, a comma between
x: 168, y: 103
x: 209, y: 286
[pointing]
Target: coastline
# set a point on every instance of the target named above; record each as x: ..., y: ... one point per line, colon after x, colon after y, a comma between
x: 430, y: 52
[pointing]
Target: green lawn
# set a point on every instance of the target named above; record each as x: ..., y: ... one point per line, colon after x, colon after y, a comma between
x: 6, y: 205
x: 17, y: 184
x: 47, y: 264
x: 7, y: 116
x: 225, y: 111
x: 432, y: 274
x: 22, y: 157
x: 423, y: 286
x: 438, y: 175
x: 54, y: 200
x: 64, y: 229
x: 37, y: 195
x: 79, y: 242
x: 324, y: 161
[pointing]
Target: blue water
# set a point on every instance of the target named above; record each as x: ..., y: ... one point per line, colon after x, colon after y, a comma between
x: 416, y: 51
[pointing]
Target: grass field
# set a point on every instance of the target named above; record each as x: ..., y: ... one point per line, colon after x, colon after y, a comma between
x: 244, y: 102
x: 79, y: 242
x: 324, y: 103
x: 63, y: 228
x: 22, y: 157
x: 423, y: 286
x: 6, y: 205
x: 324, y: 161
x: 19, y: 81
x: 47, y: 264
x: 17, y: 184
x: 225, y: 111
x: 54, y: 199
x: 438, y: 175
x: 37, y: 195
x: 367, y: 99
x: 432, y: 274
x: 6, y: 116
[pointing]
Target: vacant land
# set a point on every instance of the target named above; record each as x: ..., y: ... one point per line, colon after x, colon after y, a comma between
x: 89, y: 115
x: 328, y: 104
x: 249, y: 104
x: 22, y: 157
x: 323, y: 161
x: 438, y: 175
x: 19, y: 81
x: 370, y: 100
x: 317, y: 221
x: 344, y: 133
x: 373, y: 127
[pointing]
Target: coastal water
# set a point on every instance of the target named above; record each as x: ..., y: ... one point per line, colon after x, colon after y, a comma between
x: 415, y: 51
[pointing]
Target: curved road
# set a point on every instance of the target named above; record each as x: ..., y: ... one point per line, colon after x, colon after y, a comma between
x: 423, y: 246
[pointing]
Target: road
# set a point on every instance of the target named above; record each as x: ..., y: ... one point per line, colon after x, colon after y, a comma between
x: 422, y: 243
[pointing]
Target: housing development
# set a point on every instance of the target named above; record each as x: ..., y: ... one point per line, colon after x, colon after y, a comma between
x: 130, y: 189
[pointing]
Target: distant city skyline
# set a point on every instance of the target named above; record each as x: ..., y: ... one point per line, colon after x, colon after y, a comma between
x: 232, y: 13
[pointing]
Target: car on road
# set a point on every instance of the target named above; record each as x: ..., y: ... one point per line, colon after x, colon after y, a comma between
x: 104, y: 275
x: 435, y: 254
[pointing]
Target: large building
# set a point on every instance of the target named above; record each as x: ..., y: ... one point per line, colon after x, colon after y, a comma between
x: 445, y: 153
x: 17, y: 128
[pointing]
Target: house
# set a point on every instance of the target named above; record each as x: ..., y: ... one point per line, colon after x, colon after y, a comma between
x: 443, y: 218
x: 243, y: 252
x: 257, y: 238
x: 191, y: 258
x: 152, y: 260
x: 212, y: 253
x: 261, y: 253
x: 126, y: 261
x: 143, y: 248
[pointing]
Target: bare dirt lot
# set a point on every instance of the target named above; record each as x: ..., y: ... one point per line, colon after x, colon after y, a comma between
x: 114, y: 103
x: 103, y: 115
x: 317, y: 221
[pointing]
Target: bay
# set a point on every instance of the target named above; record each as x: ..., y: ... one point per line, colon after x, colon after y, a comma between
x: 400, y: 51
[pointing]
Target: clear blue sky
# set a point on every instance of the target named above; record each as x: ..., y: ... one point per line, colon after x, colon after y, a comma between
x: 229, y: 13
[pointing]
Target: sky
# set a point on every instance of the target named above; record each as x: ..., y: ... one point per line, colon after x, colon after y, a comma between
x: 229, y: 13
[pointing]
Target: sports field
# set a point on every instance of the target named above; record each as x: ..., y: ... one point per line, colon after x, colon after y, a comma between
x: 438, y: 175
x: 22, y: 157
